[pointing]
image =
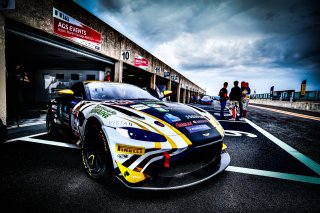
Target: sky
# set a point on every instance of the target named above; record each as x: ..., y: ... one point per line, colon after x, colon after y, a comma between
x: 266, y: 43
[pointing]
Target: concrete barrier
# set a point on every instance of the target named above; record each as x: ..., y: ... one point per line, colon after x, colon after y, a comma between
x: 308, y: 106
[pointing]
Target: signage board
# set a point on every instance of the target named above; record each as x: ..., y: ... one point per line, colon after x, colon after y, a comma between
x: 157, y: 70
x: 68, y: 27
x: 141, y: 62
x: 125, y: 55
x: 166, y: 74
x: 303, y: 88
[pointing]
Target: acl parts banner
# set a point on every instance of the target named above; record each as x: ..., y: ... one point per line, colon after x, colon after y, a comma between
x: 68, y: 27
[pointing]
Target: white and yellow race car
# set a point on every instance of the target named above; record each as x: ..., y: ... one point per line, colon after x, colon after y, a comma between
x: 146, y: 143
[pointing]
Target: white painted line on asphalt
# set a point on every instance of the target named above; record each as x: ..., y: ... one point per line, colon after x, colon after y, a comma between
x: 299, y: 156
x: 28, y: 124
x: 15, y: 139
x: 279, y: 175
x: 53, y: 143
x: 288, y: 113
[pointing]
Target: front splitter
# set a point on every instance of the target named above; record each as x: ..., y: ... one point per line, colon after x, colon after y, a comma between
x: 182, y: 180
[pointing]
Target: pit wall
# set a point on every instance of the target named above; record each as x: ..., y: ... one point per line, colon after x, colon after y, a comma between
x: 308, y: 106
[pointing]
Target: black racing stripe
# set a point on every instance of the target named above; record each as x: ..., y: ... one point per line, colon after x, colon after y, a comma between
x: 132, y: 159
x: 151, y: 150
x: 88, y: 105
x: 124, y: 111
x: 147, y: 159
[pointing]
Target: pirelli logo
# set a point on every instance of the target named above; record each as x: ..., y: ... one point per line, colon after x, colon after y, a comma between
x: 134, y: 150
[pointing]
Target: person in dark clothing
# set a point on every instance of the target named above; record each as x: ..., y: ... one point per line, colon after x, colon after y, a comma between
x: 243, y: 87
x: 235, y: 99
x: 223, y: 99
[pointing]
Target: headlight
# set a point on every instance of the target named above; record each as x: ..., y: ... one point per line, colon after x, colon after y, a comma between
x: 141, y: 135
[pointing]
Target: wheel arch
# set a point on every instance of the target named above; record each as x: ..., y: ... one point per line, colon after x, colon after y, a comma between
x: 96, y: 121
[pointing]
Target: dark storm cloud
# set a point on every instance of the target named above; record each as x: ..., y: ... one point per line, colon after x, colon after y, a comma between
x: 215, y: 35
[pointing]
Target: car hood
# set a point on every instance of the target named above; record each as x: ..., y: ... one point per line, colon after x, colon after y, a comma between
x: 186, y: 119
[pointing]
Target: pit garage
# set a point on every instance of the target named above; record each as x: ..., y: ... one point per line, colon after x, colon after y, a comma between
x: 39, y: 64
x: 136, y: 76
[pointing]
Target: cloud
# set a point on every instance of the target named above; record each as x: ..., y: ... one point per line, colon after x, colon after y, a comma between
x: 264, y: 41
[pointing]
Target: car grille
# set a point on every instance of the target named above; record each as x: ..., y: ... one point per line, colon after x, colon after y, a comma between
x: 188, y: 161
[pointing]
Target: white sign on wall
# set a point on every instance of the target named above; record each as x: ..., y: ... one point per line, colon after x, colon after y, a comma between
x: 125, y: 55
x: 157, y: 70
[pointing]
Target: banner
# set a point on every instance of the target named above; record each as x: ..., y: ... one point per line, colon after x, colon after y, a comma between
x: 141, y: 62
x: 66, y: 26
x: 303, y: 88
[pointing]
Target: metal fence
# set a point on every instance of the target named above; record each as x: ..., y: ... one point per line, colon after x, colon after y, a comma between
x: 286, y: 96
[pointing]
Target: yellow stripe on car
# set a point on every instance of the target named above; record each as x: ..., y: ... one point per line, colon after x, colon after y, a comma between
x: 171, y: 127
x: 130, y: 175
x: 172, y: 143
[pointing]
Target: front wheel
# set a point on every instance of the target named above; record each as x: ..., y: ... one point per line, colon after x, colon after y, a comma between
x: 95, y: 154
x: 50, y: 122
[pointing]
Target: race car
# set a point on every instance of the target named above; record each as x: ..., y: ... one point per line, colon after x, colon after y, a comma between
x: 206, y: 100
x: 127, y: 133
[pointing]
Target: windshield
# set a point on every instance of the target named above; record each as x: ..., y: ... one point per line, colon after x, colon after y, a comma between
x: 206, y: 98
x: 115, y: 91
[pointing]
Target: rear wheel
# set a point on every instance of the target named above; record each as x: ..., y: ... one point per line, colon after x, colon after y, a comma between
x: 95, y: 153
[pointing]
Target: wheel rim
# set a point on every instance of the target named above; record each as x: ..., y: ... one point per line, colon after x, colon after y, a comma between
x: 94, y: 155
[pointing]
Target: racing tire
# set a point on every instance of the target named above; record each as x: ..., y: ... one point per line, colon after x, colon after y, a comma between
x: 96, y: 156
x: 3, y: 132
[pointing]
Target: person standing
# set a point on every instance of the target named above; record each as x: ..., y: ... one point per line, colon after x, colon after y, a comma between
x: 235, y: 99
x: 243, y: 94
x: 223, y: 99
x: 245, y: 101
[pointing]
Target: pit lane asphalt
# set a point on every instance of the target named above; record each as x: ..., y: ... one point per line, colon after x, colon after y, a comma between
x: 43, y: 178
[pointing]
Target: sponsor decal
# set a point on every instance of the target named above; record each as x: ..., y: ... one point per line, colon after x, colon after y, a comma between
x: 104, y: 112
x: 171, y: 118
x: 139, y: 107
x: 133, y: 150
x: 159, y: 124
x: 123, y: 156
x: 154, y: 105
x: 130, y: 175
x: 119, y: 102
x: 200, y: 121
x: 118, y: 123
x: 162, y: 109
x: 197, y: 128
x: 193, y: 116
x: 179, y: 125
x: 70, y: 28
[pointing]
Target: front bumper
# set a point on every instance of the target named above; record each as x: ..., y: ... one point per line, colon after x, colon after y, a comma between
x: 184, y: 179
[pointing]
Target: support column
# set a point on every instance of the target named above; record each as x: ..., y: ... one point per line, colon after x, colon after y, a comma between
x: 184, y: 96
x: 153, y: 81
x: 3, y: 97
x: 168, y: 85
x: 178, y: 92
x: 118, y: 70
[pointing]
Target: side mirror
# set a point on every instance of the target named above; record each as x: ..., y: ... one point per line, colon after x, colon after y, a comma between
x: 65, y: 92
x: 167, y: 93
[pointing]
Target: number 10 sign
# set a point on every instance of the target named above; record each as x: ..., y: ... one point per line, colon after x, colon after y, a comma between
x: 125, y: 55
